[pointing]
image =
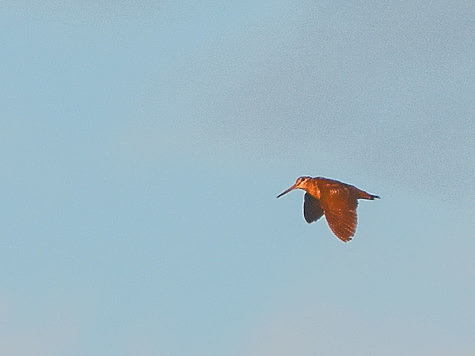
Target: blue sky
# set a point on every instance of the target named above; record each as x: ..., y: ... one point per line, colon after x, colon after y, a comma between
x: 143, y: 144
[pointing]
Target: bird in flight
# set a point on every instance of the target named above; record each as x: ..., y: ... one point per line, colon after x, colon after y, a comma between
x: 336, y: 200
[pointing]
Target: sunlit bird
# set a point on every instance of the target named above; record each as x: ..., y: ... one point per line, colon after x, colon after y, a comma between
x: 337, y: 200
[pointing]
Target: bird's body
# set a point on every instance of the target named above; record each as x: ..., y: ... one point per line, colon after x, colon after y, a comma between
x: 334, y: 199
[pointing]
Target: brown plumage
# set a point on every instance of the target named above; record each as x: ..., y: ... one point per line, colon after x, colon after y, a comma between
x: 334, y: 199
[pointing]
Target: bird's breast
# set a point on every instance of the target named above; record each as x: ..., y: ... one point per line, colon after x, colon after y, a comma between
x: 314, y: 190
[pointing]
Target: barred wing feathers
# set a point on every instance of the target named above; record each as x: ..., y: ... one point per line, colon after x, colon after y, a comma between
x: 339, y: 206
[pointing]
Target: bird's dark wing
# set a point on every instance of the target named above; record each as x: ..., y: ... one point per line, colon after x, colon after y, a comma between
x: 312, y: 211
x: 339, y: 206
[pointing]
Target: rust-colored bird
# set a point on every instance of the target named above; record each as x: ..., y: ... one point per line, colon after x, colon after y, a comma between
x: 337, y: 200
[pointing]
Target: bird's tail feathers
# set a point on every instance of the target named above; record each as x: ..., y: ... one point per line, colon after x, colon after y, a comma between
x: 364, y: 195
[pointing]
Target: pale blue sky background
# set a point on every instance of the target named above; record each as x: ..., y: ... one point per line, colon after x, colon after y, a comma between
x: 142, y: 145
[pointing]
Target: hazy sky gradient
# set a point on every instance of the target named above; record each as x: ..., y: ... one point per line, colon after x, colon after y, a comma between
x: 143, y: 144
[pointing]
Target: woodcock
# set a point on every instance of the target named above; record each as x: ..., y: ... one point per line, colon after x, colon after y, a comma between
x: 337, y: 200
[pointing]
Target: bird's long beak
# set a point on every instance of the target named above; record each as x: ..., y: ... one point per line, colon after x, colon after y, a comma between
x: 288, y: 190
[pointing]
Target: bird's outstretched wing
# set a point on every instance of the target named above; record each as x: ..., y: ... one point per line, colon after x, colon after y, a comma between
x: 339, y: 206
x: 312, y: 211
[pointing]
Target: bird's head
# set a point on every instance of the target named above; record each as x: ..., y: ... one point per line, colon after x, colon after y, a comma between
x: 300, y: 183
